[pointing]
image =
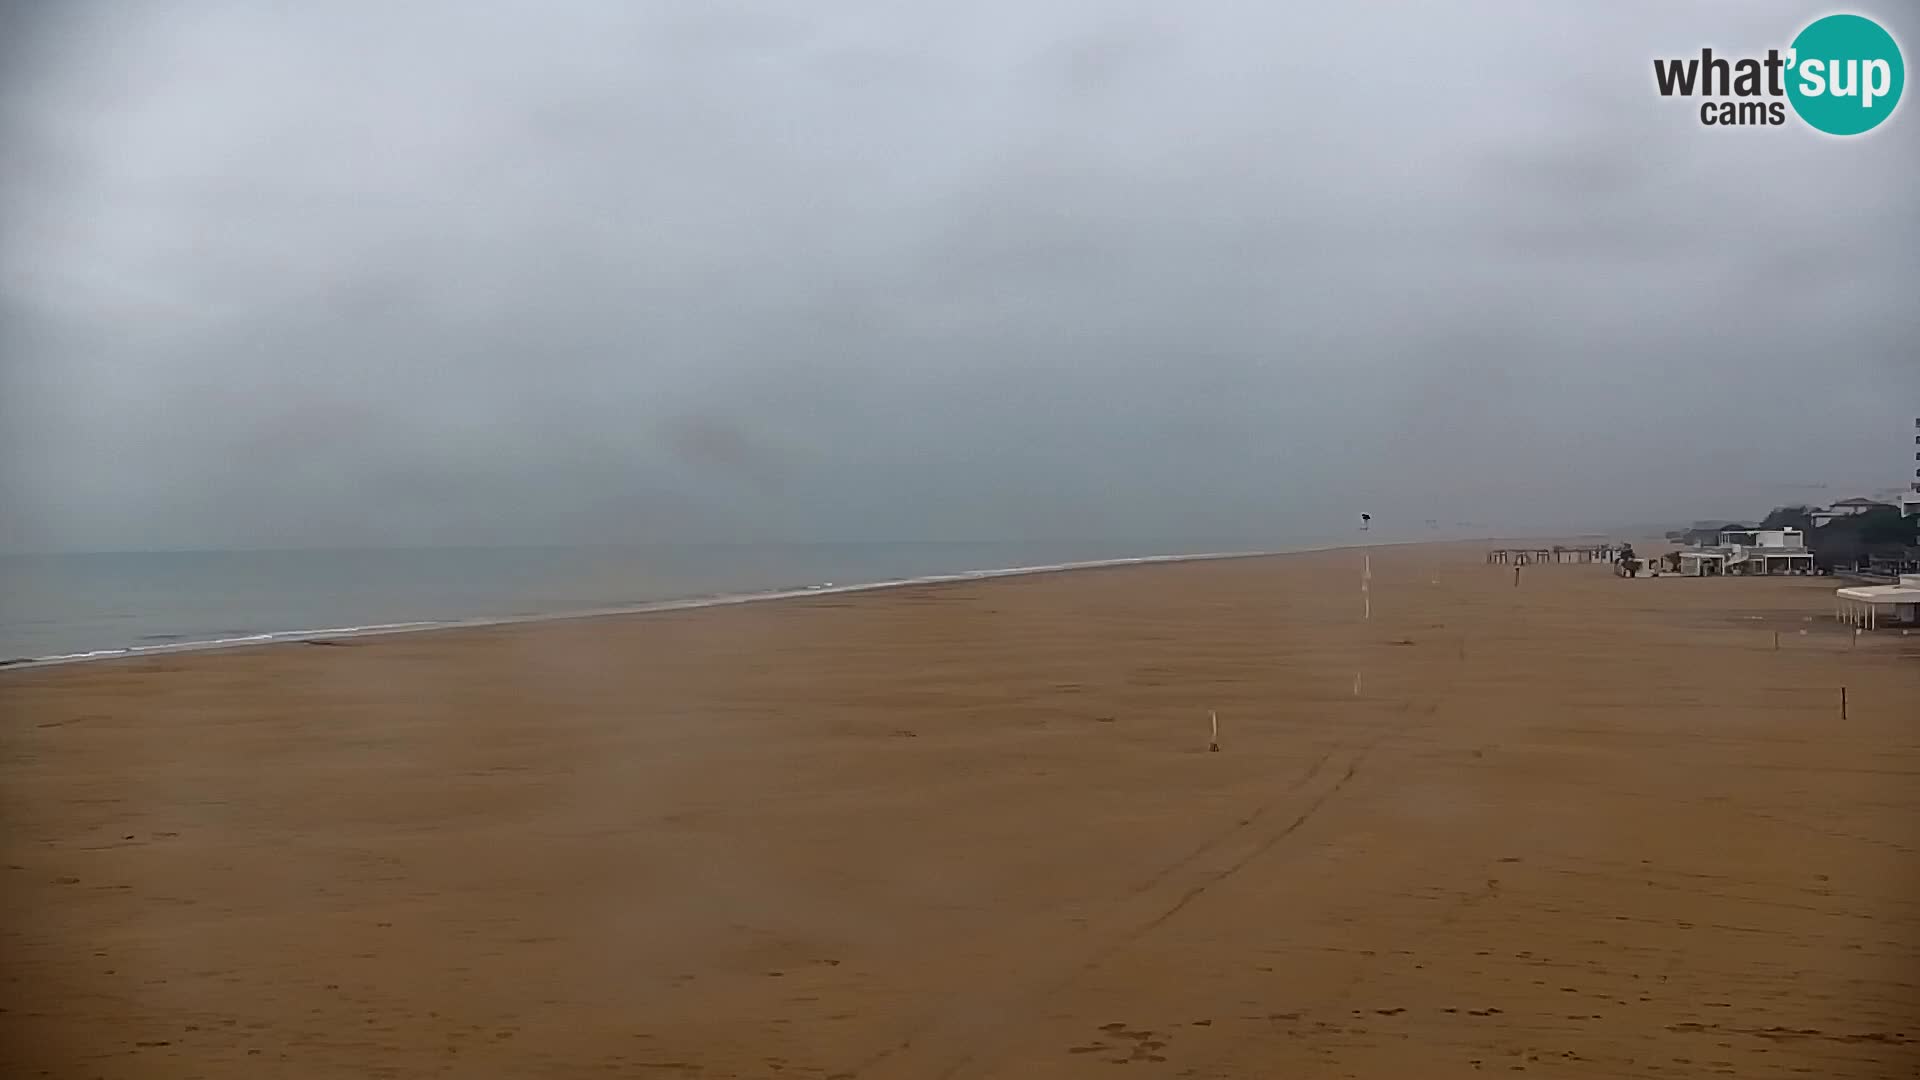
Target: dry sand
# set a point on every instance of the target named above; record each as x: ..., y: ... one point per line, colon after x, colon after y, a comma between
x: 1583, y: 827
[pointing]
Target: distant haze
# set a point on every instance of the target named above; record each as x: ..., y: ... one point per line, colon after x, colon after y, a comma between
x: 362, y: 274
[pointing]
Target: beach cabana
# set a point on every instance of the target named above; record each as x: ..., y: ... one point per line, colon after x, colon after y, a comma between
x: 1871, y: 607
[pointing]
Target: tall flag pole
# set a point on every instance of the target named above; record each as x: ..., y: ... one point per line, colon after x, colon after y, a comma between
x: 1366, y: 571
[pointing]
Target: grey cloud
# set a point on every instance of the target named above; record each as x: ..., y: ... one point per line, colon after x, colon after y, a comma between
x: 371, y: 274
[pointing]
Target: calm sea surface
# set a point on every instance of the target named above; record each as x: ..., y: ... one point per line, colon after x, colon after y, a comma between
x: 58, y: 605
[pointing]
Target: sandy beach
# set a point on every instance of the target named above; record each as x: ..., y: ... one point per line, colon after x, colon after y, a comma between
x: 1582, y: 827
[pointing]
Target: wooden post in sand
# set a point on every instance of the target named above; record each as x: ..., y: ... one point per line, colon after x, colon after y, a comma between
x: 1843, y: 703
x: 1776, y: 641
x: 1213, y: 744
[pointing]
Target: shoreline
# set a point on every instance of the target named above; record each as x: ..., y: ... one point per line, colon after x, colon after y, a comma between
x: 652, y: 607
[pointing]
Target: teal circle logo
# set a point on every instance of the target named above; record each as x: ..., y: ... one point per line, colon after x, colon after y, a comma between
x: 1845, y: 74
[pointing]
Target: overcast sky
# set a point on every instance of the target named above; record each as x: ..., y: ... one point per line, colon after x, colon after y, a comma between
x: 367, y: 273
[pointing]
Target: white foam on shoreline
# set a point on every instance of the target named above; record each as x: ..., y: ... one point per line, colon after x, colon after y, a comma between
x: 282, y: 637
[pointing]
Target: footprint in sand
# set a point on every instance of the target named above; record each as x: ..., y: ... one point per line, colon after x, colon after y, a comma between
x: 1146, y: 1044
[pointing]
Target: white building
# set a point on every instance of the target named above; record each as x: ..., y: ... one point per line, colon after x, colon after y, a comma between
x: 1751, y: 551
x: 1763, y: 538
x: 1910, y: 502
x: 1847, y: 508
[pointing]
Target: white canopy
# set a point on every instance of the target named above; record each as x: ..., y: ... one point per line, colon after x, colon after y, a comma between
x: 1881, y: 594
x: 1861, y: 605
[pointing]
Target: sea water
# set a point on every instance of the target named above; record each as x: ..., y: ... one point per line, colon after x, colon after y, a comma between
x: 104, y: 604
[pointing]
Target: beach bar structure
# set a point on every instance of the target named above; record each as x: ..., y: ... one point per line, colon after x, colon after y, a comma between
x: 1871, y: 607
x: 1704, y: 563
x: 1598, y: 553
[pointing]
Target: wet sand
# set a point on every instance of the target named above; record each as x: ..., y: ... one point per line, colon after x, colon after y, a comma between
x: 1583, y: 827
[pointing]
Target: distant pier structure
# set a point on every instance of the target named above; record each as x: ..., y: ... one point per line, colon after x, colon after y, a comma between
x: 1558, y: 554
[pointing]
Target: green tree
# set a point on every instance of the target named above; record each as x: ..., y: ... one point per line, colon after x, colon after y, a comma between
x: 1789, y: 517
x: 1850, y: 541
x: 1884, y: 525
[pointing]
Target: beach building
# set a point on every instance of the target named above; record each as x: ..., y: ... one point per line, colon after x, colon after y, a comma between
x: 1893, y: 563
x: 1846, y: 508
x: 1909, y: 500
x: 1871, y: 607
x: 1743, y: 551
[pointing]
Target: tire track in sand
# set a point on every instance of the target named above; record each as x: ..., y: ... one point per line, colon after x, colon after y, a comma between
x: 947, y: 1044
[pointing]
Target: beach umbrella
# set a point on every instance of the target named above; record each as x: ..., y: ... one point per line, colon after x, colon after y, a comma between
x: 1365, y: 520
